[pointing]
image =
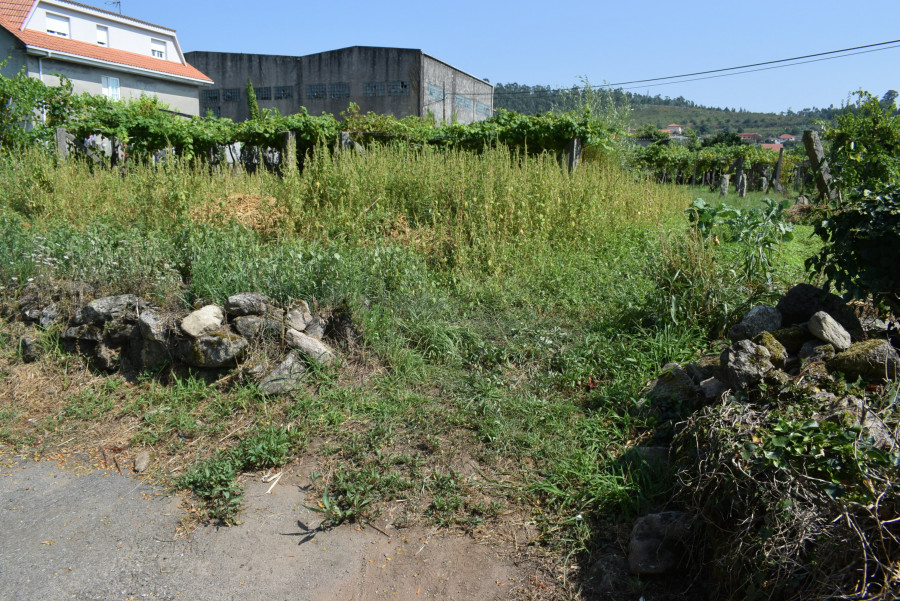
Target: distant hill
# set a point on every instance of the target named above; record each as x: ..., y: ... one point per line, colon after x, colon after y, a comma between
x: 662, y: 110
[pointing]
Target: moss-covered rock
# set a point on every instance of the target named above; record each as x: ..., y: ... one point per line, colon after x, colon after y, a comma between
x: 792, y: 338
x: 777, y: 352
x: 869, y: 359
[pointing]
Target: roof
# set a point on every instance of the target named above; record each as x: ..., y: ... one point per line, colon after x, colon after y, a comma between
x: 786, y: 137
x: 17, y: 10
x: 13, y: 12
x: 673, y: 125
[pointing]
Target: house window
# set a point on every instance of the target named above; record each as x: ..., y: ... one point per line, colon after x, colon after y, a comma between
x: 231, y: 94
x: 339, y: 90
x: 398, y: 88
x: 211, y: 96
x: 284, y: 92
x: 483, y: 109
x: 110, y: 87
x: 157, y: 49
x: 58, y: 25
x: 102, y: 35
x: 375, y: 88
x: 435, y: 92
x: 461, y: 102
x: 316, y: 91
x: 263, y: 93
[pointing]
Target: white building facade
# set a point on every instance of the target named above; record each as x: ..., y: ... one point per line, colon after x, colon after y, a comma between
x: 101, y: 52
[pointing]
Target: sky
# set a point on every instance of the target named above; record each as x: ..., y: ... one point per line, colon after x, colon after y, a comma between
x: 559, y: 44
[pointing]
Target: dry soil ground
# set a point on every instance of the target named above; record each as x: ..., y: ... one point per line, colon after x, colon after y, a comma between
x: 68, y: 531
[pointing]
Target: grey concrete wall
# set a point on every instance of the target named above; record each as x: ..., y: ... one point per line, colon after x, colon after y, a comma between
x: 12, y: 53
x: 272, y: 76
x: 383, y: 80
x: 449, y: 93
x: 180, y: 97
x: 391, y: 81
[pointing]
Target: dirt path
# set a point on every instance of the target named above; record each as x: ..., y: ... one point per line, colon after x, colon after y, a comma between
x: 72, y: 533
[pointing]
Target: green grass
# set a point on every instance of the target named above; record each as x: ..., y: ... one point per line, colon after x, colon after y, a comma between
x: 510, y: 313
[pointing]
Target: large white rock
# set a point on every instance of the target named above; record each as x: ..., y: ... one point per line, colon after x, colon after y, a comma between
x: 316, y: 350
x: 824, y: 327
x: 203, y: 321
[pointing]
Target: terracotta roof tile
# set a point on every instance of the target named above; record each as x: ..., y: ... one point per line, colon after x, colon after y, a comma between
x: 15, y: 11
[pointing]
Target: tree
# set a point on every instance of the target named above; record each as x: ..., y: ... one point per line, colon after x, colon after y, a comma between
x: 861, y: 230
x: 252, y: 104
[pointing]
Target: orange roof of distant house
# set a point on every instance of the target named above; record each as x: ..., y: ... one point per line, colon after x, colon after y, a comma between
x: 786, y: 137
x: 772, y: 146
x: 673, y: 125
x: 13, y: 11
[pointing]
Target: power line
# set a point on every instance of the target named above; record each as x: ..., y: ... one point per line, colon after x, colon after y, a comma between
x: 781, y: 60
x: 876, y: 48
x: 816, y: 60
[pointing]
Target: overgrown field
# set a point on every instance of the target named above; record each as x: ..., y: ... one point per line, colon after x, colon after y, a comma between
x: 507, y: 313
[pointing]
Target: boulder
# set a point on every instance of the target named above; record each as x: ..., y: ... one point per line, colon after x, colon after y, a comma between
x: 869, y: 359
x: 316, y: 350
x: 316, y: 328
x: 824, y: 327
x: 760, y: 318
x: 286, y: 377
x: 247, y: 303
x: 29, y: 349
x: 792, y: 337
x: 87, y: 331
x: 108, y: 308
x: 712, y: 389
x: 152, y: 327
x: 745, y: 364
x: 203, y: 321
x: 298, y: 316
x: 802, y: 301
x: 777, y: 353
x: 659, y: 542
x: 217, y: 349
x: 248, y: 326
x: 815, y: 350
x: 673, y: 384
x: 704, y: 368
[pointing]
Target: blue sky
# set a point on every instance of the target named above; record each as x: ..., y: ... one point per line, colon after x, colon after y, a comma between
x: 553, y: 43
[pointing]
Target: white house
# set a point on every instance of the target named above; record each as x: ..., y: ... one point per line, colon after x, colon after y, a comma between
x: 101, y: 52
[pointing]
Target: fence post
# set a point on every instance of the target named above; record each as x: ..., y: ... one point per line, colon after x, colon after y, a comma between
x: 289, y: 153
x: 573, y: 153
x: 776, y: 176
x: 62, y: 145
x: 818, y: 163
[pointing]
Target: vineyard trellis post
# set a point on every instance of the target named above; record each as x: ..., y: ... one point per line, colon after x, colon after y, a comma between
x: 819, y: 165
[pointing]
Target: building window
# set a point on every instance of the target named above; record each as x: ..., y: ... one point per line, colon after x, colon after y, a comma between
x: 158, y: 49
x: 102, y: 35
x: 461, y: 102
x: 483, y: 109
x: 398, y: 88
x: 231, y: 94
x: 339, y: 90
x: 110, y: 87
x: 285, y: 92
x: 211, y: 96
x: 263, y: 93
x: 375, y: 88
x: 316, y: 91
x: 58, y: 25
x: 435, y: 92
x: 215, y: 111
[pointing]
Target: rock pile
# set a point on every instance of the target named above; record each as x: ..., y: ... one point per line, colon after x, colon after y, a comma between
x: 125, y: 332
x: 806, y: 340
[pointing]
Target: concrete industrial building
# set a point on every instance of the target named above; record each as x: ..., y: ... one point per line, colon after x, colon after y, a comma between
x: 99, y: 51
x: 398, y: 81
